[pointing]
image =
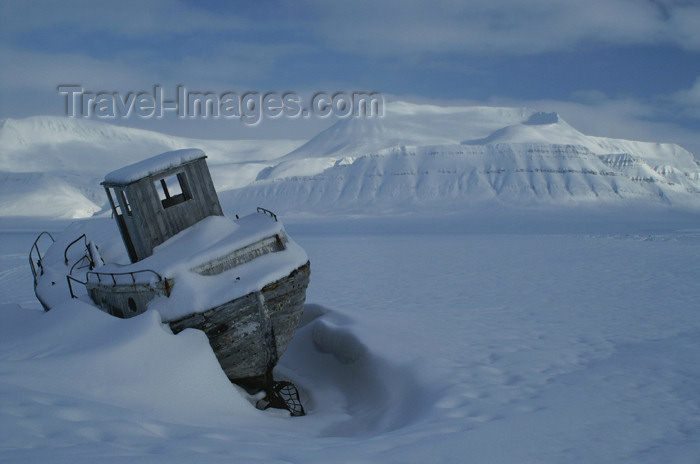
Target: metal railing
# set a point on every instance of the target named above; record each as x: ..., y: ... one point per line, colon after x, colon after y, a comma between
x: 82, y: 266
x: 268, y: 212
x: 65, y: 252
x: 70, y: 286
x: 113, y: 276
x: 35, y: 246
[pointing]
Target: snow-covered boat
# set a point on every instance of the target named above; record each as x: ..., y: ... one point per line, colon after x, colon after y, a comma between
x: 243, y: 282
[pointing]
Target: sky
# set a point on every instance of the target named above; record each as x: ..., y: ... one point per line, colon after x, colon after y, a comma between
x: 619, y: 68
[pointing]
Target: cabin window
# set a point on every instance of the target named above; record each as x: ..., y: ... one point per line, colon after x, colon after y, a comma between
x: 115, y: 204
x: 172, y: 190
x: 125, y: 201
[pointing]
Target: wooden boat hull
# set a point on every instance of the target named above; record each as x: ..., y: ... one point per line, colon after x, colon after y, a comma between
x: 250, y: 334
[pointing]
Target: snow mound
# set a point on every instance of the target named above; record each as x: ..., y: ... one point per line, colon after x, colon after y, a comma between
x: 77, y: 351
x: 95, y: 361
x: 38, y: 194
x: 347, y: 382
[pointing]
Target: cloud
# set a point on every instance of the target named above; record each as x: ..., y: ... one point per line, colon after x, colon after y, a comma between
x: 128, y: 18
x: 381, y: 28
x: 688, y: 100
x: 165, y: 38
x: 127, y: 45
x: 39, y: 70
x: 230, y: 65
x: 509, y: 27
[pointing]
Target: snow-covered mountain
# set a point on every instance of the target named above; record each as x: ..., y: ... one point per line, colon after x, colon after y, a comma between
x: 416, y: 156
x: 52, y: 166
x: 408, y: 124
x: 461, y: 157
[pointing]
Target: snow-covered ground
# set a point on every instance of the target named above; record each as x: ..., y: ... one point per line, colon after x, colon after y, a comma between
x: 529, y: 343
x: 488, y: 285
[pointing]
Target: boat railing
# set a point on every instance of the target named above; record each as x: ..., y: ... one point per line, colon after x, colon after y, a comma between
x: 104, y: 278
x: 82, y: 263
x: 268, y: 212
x: 65, y: 252
x: 70, y: 278
x: 36, y: 251
x: 89, y: 257
x: 114, y: 276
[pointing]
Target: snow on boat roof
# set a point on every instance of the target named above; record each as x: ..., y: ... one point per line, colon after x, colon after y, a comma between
x: 153, y: 165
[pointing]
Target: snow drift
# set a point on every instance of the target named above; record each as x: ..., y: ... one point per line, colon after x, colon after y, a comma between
x: 424, y: 348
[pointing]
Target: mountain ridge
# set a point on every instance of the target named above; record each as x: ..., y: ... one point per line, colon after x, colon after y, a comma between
x: 79, y: 152
x: 415, y: 157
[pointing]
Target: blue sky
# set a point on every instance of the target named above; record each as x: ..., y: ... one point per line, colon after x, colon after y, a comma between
x: 623, y: 68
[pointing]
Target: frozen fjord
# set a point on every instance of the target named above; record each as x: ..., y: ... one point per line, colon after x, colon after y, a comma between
x: 416, y: 348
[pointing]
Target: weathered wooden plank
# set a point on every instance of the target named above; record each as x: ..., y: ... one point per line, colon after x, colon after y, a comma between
x: 241, y: 256
x: 151, y: 224
x: 238, y: 333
